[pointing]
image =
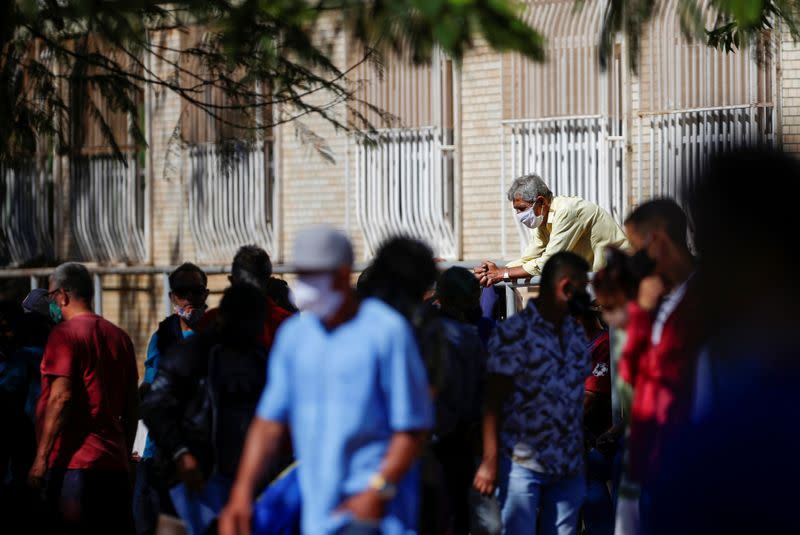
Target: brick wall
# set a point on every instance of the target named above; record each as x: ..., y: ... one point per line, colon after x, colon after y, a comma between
x: 312, y: 188
x: 484, y: 208
x: 789, y: 93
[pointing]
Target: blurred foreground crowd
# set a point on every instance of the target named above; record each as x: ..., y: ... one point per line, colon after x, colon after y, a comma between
x: 646, y: 389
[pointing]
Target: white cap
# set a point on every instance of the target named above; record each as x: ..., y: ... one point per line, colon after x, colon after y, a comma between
x: 321, y: 248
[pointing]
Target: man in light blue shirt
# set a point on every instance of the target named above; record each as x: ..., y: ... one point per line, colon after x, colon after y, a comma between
x: 346, y: 379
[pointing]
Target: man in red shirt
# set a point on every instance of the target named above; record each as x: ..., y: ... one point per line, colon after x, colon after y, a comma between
x: 87, y: 413
x: 252, y: 265
x: 667, y: 336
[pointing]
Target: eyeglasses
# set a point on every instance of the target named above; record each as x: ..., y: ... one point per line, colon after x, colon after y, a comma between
x: 51, y: 296
x: 187, y: 292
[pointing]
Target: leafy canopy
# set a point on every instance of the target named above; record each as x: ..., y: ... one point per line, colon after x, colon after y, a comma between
x: 53, y: 51
x: 266, y: 55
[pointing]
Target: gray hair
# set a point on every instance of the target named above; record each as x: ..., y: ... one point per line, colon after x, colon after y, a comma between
x: 75, y: 279
x: 529, y: 187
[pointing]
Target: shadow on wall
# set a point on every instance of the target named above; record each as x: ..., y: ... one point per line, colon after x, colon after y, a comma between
x: 133, y: 302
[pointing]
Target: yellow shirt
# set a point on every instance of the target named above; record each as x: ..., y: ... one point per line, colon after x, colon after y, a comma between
x: 574, y: 225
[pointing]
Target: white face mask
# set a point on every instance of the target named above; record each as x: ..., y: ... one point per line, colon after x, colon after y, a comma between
x: 529, y: 218
x: 315, y: 294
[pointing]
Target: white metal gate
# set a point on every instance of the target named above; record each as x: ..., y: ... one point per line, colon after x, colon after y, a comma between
x: 674, y: 148
x: 231, y: 195
x: 405, y: 187
x: 231, y: 173
x: 107, y: 208
x: 696, y: 101
x: 405, y: 176
x: 26, y: 214
x: 574, y: 155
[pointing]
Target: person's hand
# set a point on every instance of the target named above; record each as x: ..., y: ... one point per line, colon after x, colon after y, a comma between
x: 236, y: 517
x: 492, y: 274
x: 486, y: 477
x: 367, y: 505
x: 479, y: 271
x: 651, y: 290
x: 189, y: 472
x: 135, y: 457
x: 37, y: 472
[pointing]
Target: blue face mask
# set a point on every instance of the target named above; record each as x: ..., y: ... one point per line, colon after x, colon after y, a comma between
x: 55, y: 313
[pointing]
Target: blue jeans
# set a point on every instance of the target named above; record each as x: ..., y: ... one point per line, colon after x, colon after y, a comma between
x: 523, y: 493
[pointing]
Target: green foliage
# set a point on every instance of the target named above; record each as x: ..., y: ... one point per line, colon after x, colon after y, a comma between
x: 55, y: 52
x: 735, y: 23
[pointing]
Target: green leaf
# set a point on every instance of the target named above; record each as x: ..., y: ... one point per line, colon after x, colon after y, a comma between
x: 747, y: 13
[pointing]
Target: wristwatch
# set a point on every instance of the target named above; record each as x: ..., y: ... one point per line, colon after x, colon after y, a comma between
x: 384, y: 488
x: 506, y: 276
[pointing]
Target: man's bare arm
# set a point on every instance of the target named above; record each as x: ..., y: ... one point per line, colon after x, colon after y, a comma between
x: 404, y: 448
x: 497, y: 389
x: 55, y: 415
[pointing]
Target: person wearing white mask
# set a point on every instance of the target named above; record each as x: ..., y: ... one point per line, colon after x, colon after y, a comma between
x: 559, y: 224
x: 346, y: 380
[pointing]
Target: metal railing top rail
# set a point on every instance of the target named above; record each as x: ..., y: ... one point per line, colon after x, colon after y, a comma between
x: 531, y: 282
x: 645, y: 113
x: 555, y: 118
x: 281, y: 269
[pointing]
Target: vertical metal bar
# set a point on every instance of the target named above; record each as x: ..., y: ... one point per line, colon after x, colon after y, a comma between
x: 165, y: 289
x: 34, y: 282
x: 503, y: 239
x: 656, y: 120
x: 753, y: 97
x: 511, y: 305
x: 639, y: 152
x: 98, y: 294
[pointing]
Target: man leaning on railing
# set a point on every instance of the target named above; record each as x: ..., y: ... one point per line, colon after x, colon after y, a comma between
x: 559, y: 224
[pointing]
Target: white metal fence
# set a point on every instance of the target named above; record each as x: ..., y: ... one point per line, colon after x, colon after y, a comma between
x: 230, y: 198
x: 26, y: 214
x: 575, y: 155
x: 405, y: 186
x: 107, y: 208
x: 675, y: 148
x: 569, y: 82
x: 406, y: 174
x: 695, y: 101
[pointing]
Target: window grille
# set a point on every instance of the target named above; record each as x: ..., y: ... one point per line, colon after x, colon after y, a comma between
x: 405, y: 171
